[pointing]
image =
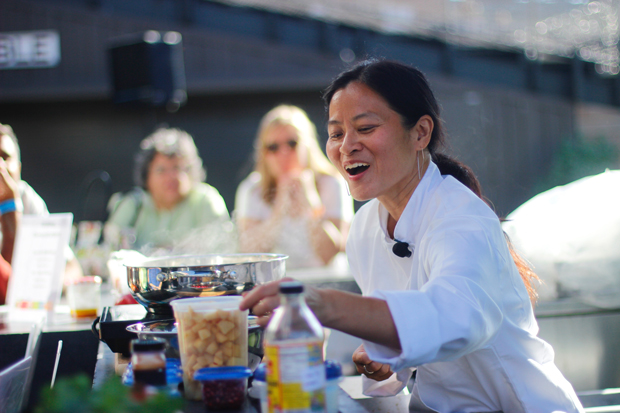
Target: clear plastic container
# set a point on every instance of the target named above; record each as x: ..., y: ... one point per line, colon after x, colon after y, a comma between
x: 223, y: 388
x: 212, y: 332
x: 333, y: 376
x: 84, y: 296
x: 294, y: 355
x: 174, y: 376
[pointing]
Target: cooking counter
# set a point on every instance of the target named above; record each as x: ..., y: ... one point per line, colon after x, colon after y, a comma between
x: 104, y: 370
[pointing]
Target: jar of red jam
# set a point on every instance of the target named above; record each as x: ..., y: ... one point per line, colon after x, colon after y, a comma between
x: 148, y: 362
x: 223, y: 388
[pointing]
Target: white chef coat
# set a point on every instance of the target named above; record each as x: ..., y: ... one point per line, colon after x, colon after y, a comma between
x: 461, y: 310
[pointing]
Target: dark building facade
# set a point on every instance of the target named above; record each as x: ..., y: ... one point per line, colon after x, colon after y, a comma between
x: 505, y: 115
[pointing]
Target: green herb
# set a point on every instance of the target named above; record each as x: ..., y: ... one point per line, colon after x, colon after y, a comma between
x: 76, y: 394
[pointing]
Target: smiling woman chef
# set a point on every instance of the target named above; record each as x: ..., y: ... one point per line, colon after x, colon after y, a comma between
x: 441, y: 290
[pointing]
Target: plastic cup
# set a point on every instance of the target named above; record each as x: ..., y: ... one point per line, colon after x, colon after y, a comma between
x: 212, y: 333
x: 84, y: 296
x: 223, y: 388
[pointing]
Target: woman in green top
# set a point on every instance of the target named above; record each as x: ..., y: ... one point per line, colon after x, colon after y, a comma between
x: 171, y: 209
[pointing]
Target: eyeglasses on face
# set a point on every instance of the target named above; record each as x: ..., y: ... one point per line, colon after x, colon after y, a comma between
x: 163, y: 170
x: 275, y: 147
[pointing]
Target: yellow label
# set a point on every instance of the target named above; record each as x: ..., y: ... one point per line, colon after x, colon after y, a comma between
x: 295, y: 378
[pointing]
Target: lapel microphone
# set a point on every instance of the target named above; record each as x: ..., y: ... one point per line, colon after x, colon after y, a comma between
x: 401, y: 249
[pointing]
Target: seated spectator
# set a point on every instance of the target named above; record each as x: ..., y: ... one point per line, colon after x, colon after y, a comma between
x: 10, y: 215
x: 170, y: 200
x: 294, y: 202
x: 26, y: 199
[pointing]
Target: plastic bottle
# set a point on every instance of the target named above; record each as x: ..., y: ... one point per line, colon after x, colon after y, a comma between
x: 293, y: 347
x: 333, y: 374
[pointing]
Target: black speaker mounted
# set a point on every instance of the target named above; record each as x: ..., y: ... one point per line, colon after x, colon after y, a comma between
x: 147, y: 69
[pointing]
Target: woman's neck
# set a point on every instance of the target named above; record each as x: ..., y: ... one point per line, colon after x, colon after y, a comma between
x: 395, y: 205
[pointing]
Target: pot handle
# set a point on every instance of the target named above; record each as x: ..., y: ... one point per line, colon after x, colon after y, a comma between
x: 94, y: 328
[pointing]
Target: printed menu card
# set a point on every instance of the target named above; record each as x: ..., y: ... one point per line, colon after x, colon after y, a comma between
x: 38, y: 265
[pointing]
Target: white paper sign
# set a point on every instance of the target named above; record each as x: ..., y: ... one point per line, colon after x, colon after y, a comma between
x: 38, y: 265
x: 34, y: 49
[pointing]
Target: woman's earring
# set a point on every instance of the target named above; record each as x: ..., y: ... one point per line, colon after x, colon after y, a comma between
x: 418, y: 159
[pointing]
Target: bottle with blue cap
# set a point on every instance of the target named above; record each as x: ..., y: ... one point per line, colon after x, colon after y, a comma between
x: 293, y: 347
x: 333, y: 375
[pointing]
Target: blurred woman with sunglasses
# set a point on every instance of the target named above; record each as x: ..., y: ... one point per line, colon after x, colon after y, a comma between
x: 294, y: 202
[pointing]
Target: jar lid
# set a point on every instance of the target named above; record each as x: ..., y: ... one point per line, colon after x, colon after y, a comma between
x: 222, y: 373
x: 332, y: 369
x: 260, y: 373
x: 138, y: 345
x: 291, y: 287
x: 174, y: 372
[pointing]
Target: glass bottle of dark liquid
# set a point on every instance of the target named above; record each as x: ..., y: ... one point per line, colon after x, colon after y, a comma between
x: 148, y: 362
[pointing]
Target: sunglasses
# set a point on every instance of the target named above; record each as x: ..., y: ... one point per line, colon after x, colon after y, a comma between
x: 274, y: 147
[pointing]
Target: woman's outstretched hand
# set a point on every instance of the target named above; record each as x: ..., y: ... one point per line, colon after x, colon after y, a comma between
x: 371, y: 369
x: 264, y: 299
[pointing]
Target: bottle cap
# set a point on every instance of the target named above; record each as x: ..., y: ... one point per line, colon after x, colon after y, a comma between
x: 333, y: 369
x: 138, y: 345
x: 291, y: 287
x: 260, y: 373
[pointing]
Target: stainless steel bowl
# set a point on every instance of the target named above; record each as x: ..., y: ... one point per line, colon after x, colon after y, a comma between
x: 155, y: 282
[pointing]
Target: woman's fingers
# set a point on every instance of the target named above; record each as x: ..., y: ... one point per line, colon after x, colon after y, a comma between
x: 263, y: 299
x: 260, y: 292
x: 371, y: 369
x: 266, y: 306
x: 380, y: 371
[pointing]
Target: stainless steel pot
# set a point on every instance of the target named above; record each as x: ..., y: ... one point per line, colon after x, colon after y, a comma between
x: 155, y: 282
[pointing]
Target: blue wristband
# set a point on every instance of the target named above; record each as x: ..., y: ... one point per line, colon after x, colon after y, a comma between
x: 8, y: 206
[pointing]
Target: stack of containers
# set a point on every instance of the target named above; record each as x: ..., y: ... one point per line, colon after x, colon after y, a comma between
x: 212, y: 332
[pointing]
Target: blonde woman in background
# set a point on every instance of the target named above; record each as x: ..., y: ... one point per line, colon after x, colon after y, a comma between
x: 294, y: 202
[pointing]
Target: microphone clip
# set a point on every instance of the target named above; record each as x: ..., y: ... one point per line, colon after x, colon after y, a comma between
x: 401, y: 249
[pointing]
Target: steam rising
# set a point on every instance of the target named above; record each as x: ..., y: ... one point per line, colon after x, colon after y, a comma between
x: 219, y: 237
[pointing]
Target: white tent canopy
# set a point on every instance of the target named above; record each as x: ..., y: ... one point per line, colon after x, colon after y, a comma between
x: 571, y: 236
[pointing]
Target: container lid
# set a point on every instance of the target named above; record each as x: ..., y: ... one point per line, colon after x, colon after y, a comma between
x: 332, y: 369
x: 260, y: 373
x: 138, y: 345
x: 222, y: 373
x: 291, y: 287
x: 222, y: 302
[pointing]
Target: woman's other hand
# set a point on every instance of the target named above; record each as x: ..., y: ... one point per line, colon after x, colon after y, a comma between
x: 297, y: 193
x: 8, y: 186
x: 371, y: 369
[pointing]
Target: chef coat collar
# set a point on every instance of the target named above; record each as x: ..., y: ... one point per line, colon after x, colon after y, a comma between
x: 408, y: 226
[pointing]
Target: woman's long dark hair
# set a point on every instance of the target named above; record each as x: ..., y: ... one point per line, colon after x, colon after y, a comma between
x: 407, y: 92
